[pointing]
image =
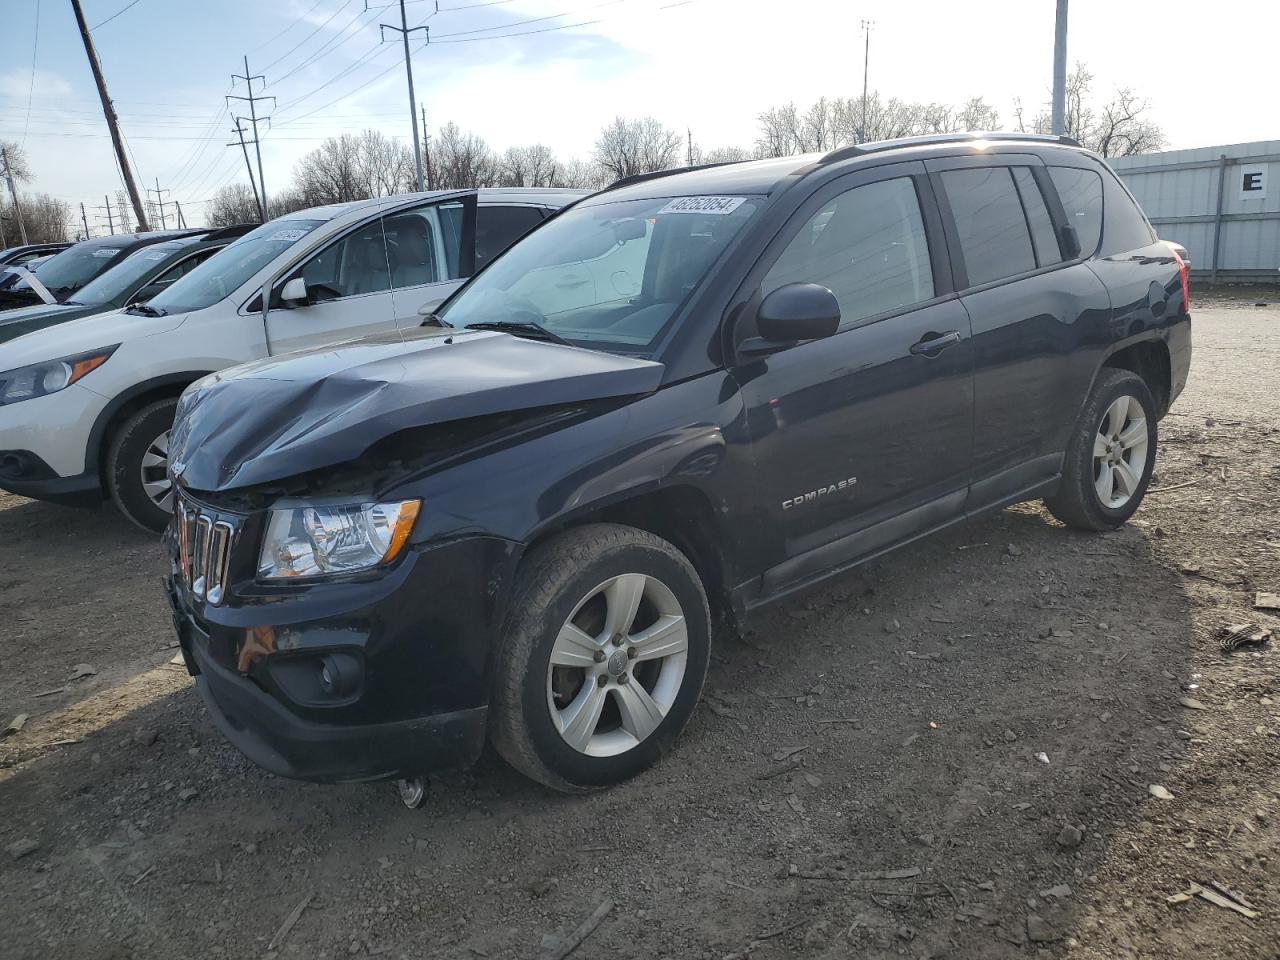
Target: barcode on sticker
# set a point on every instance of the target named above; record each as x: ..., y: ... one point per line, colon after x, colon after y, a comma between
x: 714, y: 205
x: 289, y: 235
x: 106, y: 252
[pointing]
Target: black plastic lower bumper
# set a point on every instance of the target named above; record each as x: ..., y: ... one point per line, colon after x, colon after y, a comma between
x: 276, y: 739
x: 25, y: 474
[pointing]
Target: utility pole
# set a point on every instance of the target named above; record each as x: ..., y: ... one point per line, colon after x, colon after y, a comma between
x: 426, y: 150
x: 867, y: 25
x: 160, y: 203
x: 106, y: 206
x: 404, y: 32
x: 688, y: 133
x: 84, y: 220
x: 113, y: 125
x: 182, y: 224
x: 239, y: 131
x: 248, y: 79
x: 13, y: 192
x: 1059, y: 121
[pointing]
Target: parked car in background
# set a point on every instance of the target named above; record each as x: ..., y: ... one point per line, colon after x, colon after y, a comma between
x: 21, y: 255
x: 520, y: 524
x: 142, y: 275
x: 76, y: 266
x: 15, y: 273
x: 85, y: 406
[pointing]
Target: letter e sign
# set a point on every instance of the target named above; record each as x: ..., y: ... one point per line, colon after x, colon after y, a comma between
x: 1252, y: 182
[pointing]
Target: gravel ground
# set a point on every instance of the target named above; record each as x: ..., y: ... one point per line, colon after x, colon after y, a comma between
x: 866, y: 776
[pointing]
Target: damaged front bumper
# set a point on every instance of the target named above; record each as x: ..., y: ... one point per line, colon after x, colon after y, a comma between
x: 415, y: 642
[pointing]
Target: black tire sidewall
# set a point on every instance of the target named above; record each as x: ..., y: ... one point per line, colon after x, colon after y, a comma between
x: 1099, y: 403
x: 124, y: 463
x: 576, y: 768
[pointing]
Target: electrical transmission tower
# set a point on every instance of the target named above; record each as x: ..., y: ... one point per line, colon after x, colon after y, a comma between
x: 106, y: 206
x: 404, y: 30
x: 253, y: 118
x: 160, y: 203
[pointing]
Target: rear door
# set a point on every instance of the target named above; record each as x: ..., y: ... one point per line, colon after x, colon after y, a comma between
x: 431, y: 250
x: 1031, y: 309
x: 862, y: 439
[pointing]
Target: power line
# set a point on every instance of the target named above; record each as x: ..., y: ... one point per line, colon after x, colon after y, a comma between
x: 31, y: 87
x: 295, y: 20
x: 328, y: 47
x: 344, y: 5
x: 103, y: 23
x: 520, y: 23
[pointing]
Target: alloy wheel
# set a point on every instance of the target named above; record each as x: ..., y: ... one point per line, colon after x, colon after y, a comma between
x: 155, y: 473
x: 617, y: 665
x: 1120, y: 452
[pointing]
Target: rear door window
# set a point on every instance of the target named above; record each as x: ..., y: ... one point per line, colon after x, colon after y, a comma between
x: 867, y: 245
x: 1081, y: 194
x: 499, y: 227
x: 1043, y: 234
x: 995, y: 241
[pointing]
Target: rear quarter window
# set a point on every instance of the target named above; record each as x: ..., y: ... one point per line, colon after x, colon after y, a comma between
x: 1124, y: 227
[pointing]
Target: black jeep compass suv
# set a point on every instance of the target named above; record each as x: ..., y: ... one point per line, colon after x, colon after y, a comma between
x: 686, y: 396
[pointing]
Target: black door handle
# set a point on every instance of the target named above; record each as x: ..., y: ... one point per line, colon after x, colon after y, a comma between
x: 932, y: 344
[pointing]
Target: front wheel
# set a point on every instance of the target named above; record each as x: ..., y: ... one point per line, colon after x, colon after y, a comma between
x: 603, y: 658
x: 1110, y: 456
x: 137, y: 465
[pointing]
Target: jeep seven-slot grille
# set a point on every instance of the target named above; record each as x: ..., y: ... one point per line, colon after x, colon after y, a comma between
x: 204, y: 551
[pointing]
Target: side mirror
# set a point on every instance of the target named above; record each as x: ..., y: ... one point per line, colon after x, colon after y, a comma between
x: 294, y: 291
x: 793, y: 313
x: 429, y: 307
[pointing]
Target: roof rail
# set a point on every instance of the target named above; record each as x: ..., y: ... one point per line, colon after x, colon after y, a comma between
x: 657, y: 174
x: 877, y: 146
x: 235, y: 230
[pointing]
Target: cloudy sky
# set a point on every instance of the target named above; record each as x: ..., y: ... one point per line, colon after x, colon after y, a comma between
x: 523, y: 71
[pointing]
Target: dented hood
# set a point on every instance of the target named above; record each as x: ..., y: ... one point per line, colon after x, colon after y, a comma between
x: 277, y: 418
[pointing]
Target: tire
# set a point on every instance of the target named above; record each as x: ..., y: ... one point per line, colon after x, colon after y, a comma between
x: 590, y: 575
x: 133, y: 449
x: 1093, y: 451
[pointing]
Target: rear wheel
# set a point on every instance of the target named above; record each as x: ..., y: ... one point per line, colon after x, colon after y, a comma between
x: 138, y: 463
x: 1108, y: 461
x: 603, y: 657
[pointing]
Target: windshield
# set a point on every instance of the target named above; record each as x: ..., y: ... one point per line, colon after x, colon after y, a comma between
x: 217, y: 277
x: 611, y: 275
x: 117, y: 282
x: 71, y: 269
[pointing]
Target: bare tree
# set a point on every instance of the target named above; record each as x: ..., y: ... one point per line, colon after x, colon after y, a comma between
x: 1119, y: 128
x: 285, y: 201
x: 581, y: 175
x: 385, y: 166
x: 629, y: 147
x: 534, y: 166
x: 461, y: 160
x: 331, y: 173
x: 18, y: 165
x: 234, y: 203
x: 977, y: 114
x: 47, y: 219
x: 726, y: 155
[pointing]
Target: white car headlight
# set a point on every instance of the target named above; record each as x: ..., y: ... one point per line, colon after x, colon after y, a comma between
x: 39, y: 379
x: 314, y: 541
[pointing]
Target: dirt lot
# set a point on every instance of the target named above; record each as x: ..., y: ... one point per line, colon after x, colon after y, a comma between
x: 889, y: 723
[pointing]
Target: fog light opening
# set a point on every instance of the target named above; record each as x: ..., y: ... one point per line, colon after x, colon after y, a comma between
x: 339, y: 674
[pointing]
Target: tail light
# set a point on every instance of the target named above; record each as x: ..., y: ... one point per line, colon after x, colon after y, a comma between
x: 1184, y: 272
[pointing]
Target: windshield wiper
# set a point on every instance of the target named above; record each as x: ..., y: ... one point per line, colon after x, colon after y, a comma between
x: 528, y: 328
x: 146, y: 310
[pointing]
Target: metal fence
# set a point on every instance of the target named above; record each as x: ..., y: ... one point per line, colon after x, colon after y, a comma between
x: 1221, y: 203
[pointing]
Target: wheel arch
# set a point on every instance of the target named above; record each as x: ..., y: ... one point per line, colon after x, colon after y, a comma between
x: 1150, y: 360
x: 681, y: 514
x: 125, y: 404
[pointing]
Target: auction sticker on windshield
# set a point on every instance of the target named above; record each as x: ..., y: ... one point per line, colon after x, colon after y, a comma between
x: 716, y: 205
x: 106, y: 252
x: 288, y: 235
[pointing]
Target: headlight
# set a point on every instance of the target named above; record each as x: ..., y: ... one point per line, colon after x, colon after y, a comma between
x: 313, y: 541
x: 51, y: 376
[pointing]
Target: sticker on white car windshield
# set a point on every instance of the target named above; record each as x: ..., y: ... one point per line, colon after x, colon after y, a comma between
x: 156, y: 255
x: 288, y: 235
x: 106, y: 252
x: 716, y: 205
